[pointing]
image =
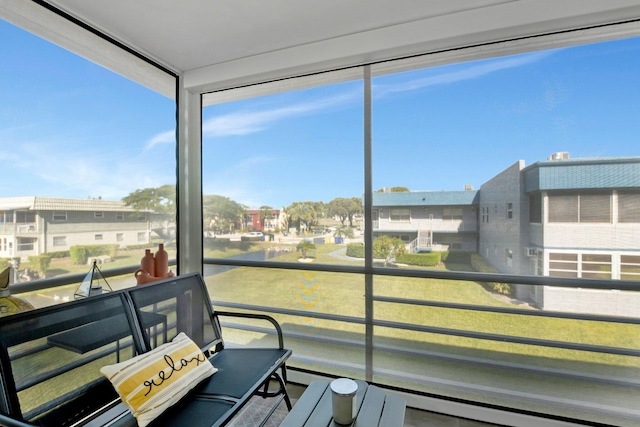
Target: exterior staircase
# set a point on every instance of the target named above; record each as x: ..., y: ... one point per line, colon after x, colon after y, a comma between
x: 423, y: 243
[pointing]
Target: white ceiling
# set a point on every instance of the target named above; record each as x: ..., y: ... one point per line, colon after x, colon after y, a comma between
x: 191, y: 34
x: 217, y: 43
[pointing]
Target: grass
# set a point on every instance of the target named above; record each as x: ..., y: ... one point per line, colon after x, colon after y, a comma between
x: 343, y: 294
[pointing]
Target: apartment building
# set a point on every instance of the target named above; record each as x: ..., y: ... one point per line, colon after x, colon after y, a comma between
x: 258, y: 221
x: 36, y: 225
x: 428, y: 220
x: 560, y: 217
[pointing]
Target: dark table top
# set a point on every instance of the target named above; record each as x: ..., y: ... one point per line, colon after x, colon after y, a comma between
x: 375, y: 407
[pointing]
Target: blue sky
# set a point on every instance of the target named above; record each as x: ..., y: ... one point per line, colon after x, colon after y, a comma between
x: 72, y: 129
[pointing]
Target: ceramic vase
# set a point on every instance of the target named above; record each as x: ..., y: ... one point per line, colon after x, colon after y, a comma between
x: 161, y: 262
x: 147, y: 263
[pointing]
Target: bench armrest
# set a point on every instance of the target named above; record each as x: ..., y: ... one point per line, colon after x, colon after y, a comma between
x: 270, y: 319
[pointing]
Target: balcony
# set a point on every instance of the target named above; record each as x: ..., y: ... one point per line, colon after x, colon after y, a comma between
x: 19, y: 229
x: 419, y: 339
x: 476, y: 87
x: 436, y: 225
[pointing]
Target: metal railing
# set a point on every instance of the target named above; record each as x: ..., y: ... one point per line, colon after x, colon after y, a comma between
x: 563, y: 372
x: 368, y: 343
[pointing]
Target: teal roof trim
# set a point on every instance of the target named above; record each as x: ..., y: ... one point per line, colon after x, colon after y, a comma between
x: 623, y: 173
x: 426, y: 198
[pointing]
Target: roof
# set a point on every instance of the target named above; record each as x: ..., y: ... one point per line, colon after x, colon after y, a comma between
x: 583, y: 173
x: 426, y: 198
x: 35, y: 203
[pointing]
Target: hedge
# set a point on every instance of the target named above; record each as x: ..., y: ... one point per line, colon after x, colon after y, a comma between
x: 480, y: 265
x: 250, y: 238
x: 40, y: 263
x: 355, y: 250
x: 79, y: 254
x: 424, y: 260
x: 59, y: 254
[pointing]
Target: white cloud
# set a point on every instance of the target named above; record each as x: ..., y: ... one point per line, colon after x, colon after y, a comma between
x: 85, y: 172
x: 168, y: 137
x: 246, y: 122
x: 474, y: 71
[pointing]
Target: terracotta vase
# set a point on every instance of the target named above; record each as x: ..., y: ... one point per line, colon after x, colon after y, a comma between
x: 161, y: 262
x: 147, y: 263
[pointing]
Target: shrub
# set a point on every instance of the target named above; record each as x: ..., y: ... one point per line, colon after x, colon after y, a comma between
x: 137, y: 247
x: 355, y: 250
x: 387, y: 248
x: 480, y: 265
x: 423, y: 260
x: 4, y: 263
x: 250, y: 238
x: 59, y: 254
x: 40, y: 263
x: 79, y: 254
x: 305, y: 246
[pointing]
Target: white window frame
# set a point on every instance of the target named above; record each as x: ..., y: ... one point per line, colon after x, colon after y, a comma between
x: 403, y: 214
x: 59, y: 241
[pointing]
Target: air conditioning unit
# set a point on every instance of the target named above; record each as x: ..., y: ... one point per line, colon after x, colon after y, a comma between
x: 560, y: 155
x: 531, y: 252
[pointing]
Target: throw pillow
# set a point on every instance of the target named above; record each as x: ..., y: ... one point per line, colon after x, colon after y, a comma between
x: 152, y: 382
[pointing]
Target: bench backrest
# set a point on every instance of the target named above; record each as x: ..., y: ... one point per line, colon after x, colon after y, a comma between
x: 50, y: 357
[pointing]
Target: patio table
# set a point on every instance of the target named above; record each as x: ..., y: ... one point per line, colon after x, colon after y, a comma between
x: 374, y: 406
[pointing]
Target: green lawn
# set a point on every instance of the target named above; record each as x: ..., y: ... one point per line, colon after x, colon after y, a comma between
x: 342, y: 293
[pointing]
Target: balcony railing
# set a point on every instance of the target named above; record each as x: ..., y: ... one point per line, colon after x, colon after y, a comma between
x: 517, y: 373
x: 436, y: 225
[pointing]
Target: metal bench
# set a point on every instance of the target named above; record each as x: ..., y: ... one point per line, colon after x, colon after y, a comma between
x: 50, y: 358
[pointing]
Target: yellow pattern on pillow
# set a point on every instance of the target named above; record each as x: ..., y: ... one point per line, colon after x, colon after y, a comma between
x: 152, y: 382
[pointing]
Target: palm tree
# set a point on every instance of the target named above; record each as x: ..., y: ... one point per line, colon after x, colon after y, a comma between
x: 304, y: 246
x: 343, y: 231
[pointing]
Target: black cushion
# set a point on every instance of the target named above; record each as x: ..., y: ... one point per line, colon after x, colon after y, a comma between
x: 241, y: 370
x: 193, y: 412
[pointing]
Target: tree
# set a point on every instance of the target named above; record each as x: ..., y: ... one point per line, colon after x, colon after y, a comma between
x: 161, y: 201
x: 265, y: 213
x: 304, y: 246
x: 302, y: 213
x: 221, y: 214
x: 345, y: 209
x: 385, y: 247
x: 355, y: 208
x: 338, y: 208
x: 343, y: 231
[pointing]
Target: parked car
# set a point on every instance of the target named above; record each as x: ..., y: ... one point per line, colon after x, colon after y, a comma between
x: 255, y: 234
